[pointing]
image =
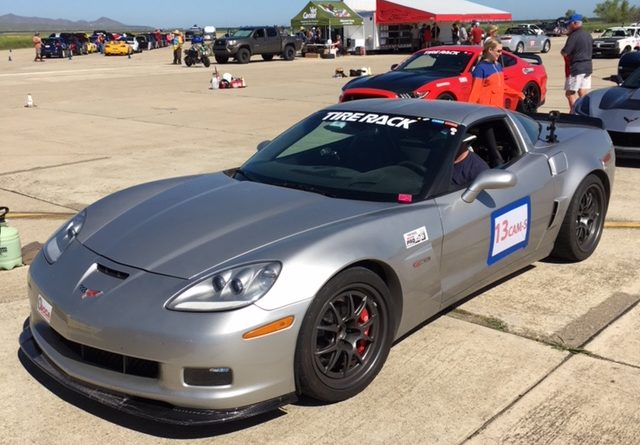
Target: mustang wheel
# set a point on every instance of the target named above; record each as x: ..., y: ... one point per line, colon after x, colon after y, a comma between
x: 546, y: 47
x: 345, y: 336
x: 582, y: 226
x: 446, y: 96
x: 531, y: 100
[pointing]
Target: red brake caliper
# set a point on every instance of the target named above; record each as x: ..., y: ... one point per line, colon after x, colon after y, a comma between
x: 362, y: 344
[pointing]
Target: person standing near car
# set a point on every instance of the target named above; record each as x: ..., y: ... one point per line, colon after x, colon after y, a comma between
x: 577, y: 53
x: 463, y: 36
x: 415, y: 37
x: 37, y: 44
x: 477, y: 34
x: 455, y: 39
x: 427, y: 36
x: 177, y: 47
x: 492, y: 33
x: 489, y: 87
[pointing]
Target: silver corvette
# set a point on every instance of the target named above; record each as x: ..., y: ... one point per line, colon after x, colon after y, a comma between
x: 208, y: 298
x: 619, y: 109
x: 520, y: 40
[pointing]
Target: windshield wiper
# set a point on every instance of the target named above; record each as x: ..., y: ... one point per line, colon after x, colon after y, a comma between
x: 242, y: 173
x: 306, y: 188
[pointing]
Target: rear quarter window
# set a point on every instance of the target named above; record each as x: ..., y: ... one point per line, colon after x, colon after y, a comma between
x: 529, y: 128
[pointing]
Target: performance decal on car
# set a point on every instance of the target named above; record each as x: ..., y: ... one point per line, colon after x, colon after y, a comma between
x: 415, y: 237
x: 44, y: 308
x: 510, y: 229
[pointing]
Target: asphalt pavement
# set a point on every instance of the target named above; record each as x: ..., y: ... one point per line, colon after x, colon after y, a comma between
x: 549, y: 356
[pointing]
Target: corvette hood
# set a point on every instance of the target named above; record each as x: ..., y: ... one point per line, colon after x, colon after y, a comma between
x: 396, y: 81
x: 619, y: 97
x: 196, y: 224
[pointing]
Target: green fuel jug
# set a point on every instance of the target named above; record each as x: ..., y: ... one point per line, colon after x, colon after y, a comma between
x: 10, y: 250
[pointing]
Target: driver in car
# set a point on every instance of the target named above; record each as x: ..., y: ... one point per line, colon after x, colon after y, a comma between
x: 467, y: 165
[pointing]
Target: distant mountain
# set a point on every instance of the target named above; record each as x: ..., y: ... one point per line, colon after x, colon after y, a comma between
x: 12, y: 22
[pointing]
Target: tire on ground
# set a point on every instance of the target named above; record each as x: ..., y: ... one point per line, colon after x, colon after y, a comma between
x: 582, y: 226
x: 345, y: 336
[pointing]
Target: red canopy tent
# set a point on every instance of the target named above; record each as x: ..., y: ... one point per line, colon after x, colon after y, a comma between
x: 421, y: 11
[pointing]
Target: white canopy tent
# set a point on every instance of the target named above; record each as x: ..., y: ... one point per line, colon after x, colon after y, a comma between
x: 384, y: 17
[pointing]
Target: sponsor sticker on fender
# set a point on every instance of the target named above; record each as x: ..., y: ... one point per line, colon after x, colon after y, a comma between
x: 415, y: 237
x: 509, y: 229
x: 44, y: 308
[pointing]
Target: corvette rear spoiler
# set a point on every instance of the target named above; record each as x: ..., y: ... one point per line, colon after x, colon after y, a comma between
x: 555, y: 117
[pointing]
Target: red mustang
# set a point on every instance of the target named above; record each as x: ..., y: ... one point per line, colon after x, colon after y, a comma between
x: 444, y: 72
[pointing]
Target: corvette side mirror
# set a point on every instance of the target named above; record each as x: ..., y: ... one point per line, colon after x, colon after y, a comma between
x: 489, y: 179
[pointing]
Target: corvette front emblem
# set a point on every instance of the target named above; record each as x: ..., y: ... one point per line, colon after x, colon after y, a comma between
x: 89, y: 293
x: 630, y: 120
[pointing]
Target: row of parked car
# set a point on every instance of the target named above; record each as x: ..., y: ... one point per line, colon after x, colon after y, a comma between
x: 68, y: 44
x: 613, y: 42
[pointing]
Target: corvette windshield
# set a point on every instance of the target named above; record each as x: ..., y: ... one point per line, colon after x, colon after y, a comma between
x: 356, y: 155
x: 516, y: 31
x: 441, y: 61
x: 633, y: 81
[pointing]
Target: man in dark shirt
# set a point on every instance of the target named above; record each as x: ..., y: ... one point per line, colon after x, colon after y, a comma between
x: 577, y: 55
x: 467, y: 165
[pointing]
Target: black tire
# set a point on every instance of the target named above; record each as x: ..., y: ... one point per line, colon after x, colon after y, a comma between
x: 243, y: 55
x: 546, y: 47
x: 221, y: 59
x: 206, y: 61
x: 345, y: 336
x: 289, y: 53
x: 267, y: 57
x: 582, y: 226
x: 446, y: 96
x: 531, y: 100
x: 520, y: 48
x: 188, y: 61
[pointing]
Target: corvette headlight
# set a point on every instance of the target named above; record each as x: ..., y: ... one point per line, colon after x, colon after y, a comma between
x: 229, y: 289
x: 58, y: 243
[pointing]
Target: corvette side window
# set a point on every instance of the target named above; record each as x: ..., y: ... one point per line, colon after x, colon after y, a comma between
x: 529, y: 128
x: 494, y: 142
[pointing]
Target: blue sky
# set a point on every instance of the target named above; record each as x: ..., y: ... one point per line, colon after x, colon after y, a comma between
x: 220, y: 13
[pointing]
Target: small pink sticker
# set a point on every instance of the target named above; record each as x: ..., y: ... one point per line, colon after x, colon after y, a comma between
x: 402, y: 197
